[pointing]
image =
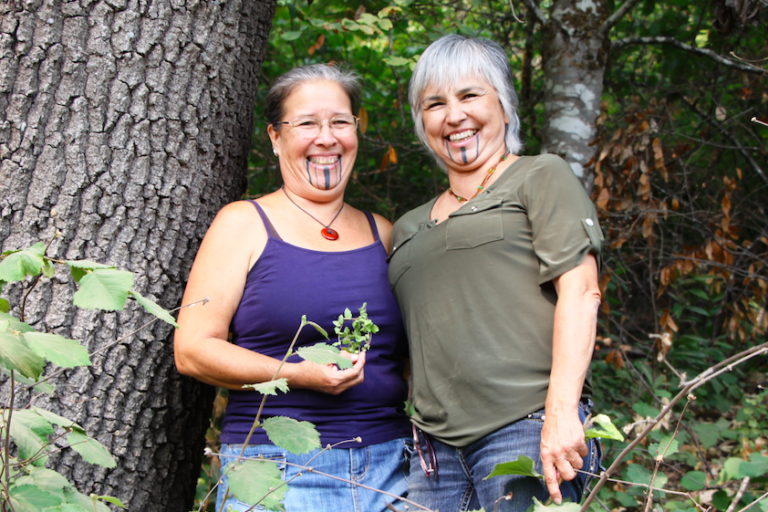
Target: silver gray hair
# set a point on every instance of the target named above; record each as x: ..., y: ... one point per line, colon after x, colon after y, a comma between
x: 288, y: 82
x: 453, y: 58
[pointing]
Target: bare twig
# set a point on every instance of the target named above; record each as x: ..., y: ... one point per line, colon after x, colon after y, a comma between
x: 739, y: 494
x: 512, y: 6
x: 689, y: 386
x: 756, y: 120
x: 614, y: 18
x: 754, y: 502
x: 537, y: 12
x: 119, y: 340
x: 704, y: 52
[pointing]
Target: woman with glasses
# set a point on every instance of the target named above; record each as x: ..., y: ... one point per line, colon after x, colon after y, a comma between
x: 302, y: 251
x: 497, y: 282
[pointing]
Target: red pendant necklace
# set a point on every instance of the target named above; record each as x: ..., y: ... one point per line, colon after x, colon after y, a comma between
x: 326, y: 232
x: 480, y: 188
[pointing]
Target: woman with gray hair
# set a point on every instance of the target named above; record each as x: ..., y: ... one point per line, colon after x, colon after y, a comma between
x: 497, y: 281
x: 265, y: 264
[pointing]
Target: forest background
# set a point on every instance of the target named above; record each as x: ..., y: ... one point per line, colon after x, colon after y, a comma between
x: 677, y: 175
x: 125, y: 126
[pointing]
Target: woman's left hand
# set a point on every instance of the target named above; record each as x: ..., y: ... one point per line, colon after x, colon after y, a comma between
x: 563, y: 448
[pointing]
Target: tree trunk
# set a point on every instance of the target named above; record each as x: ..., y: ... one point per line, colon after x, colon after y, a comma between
x: 574, y: 60
x: 133, y: 120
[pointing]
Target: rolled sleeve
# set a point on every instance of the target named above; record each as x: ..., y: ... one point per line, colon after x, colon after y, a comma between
x: 563, y: 218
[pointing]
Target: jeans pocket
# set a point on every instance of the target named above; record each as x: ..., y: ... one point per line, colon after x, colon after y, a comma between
x: 408, y: 450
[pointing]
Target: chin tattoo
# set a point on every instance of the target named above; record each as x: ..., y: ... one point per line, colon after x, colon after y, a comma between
x: 321, y: 176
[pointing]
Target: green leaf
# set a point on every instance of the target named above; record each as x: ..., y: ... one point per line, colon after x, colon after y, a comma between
x: 79, y: 268
x: 709, y: 434
x: 112, y: 500
x: 104, y: 289
x: 721, y: 500
x: 322, y: 353
x: 694, y: 481
x: 608, y: 430
x: 295, y: 436
x: 638, y: 474
x: 699, y: 293
x: 59, y: 420
x: 42, y: 387
x: 348, y: 24
x: 90, y: 449
x: 28, y: 498
x: 81, y: 500
x: 251, y: 480
x: 291, y: 36
x: 19, y: 264
x: 47, y: 480
x: 270, y: 387
x: 154, y: 308
x: 4, y: 325
x: 385, y: 24
x: 16, y: 324
x: 5, y: 306
x: 735, y: 468
x: 521, y: 466
x: 30, y: 432
x: 68, y: 507
x: 57, y: 349
x: 697, y: 309
x: 16, y: 355
x: 48, y: 270
x: 317, y: 328
x: 667, y: 447
x: 566, y: 506
x: 393, y: 60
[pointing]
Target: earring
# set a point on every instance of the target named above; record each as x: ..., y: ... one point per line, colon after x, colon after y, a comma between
x: 274, y: 151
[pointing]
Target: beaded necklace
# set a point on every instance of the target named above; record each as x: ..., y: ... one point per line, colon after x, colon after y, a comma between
x: 480, y: 188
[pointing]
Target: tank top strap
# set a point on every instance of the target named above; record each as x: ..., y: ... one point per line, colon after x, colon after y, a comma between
x: 372, y: 222
x: 271, y: 231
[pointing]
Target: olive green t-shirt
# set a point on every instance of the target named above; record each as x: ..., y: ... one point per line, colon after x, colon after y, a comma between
x: 477, y: 299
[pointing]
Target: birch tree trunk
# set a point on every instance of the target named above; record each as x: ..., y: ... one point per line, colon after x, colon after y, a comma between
x: 132, y: 119
x: 574, y: 59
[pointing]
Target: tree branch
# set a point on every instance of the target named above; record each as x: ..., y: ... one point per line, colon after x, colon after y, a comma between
x: 614, y: 18
x: 741, y: 66
x: 537, y: 12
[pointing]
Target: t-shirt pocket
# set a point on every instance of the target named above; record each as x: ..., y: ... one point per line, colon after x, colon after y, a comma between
x: 476, y: 224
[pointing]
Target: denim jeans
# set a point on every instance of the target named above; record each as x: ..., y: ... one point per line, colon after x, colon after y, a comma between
x: 382, y: 466
x: 458, y: 484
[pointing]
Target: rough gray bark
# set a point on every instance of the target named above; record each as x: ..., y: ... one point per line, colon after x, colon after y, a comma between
x: 132, y: 118
x: 574, y: 59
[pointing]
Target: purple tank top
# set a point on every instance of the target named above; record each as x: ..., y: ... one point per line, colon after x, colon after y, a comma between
x: 289, y: 281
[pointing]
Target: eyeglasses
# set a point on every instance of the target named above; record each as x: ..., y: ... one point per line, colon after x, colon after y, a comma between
x: 344, y: 124
x: 431, y: 467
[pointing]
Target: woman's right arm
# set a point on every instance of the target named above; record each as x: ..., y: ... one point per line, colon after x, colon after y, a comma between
x: 231, y: 246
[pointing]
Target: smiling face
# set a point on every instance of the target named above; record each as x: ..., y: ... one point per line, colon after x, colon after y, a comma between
x: 321, y: 160
x: 464, y: 123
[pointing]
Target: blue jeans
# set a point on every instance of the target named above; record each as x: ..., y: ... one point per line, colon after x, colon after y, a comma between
x: 458, y: 484
x: 382, y: 466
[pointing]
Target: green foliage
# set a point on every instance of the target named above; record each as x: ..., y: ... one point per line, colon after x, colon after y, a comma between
x: 295, y: 436
x: 322, y: 353
x: 523, y: 465
x: 608, y: 430
x: 257, y: 481
x: 270, y: 387
x: 90, y: 449
x: 23, y: 354
x: 359, y: 338
x: 566, y: 506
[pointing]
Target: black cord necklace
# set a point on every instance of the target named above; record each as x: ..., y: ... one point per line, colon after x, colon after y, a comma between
x: 327, y: 232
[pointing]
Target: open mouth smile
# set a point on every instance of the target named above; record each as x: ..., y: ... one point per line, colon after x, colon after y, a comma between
x: 323, y: 160
x: 462, y: 136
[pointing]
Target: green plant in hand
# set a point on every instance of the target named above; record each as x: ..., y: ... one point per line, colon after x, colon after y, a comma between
x: 358, y: 339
